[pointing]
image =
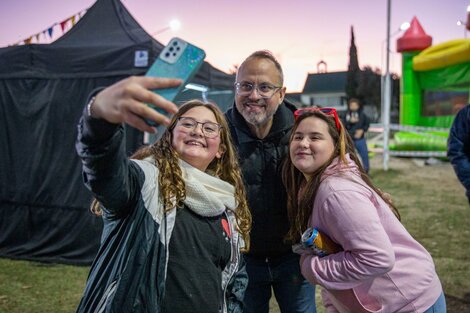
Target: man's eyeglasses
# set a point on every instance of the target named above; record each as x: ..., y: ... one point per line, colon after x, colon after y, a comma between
x: 327, y: 111
x: 264, y: 90
x: 209, y: 129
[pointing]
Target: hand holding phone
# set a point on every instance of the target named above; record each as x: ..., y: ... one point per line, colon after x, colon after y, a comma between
x: 178, y: 59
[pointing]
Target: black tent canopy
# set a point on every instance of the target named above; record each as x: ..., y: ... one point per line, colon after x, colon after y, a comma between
x: 44, y: 213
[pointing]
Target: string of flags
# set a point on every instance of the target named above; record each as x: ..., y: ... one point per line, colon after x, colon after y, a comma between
x: 47, y: 33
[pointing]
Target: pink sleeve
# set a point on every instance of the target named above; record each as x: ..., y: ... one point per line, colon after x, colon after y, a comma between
x: 350, y: 219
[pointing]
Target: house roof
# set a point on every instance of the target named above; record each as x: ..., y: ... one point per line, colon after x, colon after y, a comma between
x: 325, y: 82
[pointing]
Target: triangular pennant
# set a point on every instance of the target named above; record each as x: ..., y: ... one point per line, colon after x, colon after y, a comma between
x: 50, y: 30
x: 28, y: 41
x: 62, y: 25
x: 73, y: 20
x: 37, y: 37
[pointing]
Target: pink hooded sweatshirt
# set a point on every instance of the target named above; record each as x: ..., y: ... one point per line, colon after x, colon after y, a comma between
x: 382, y: 268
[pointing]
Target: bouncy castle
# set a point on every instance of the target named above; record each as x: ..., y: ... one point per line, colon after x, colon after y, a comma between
x: 435, y: 85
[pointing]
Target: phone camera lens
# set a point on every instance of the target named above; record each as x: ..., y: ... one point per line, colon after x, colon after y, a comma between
x: 171, y: 49
x: 167, y: 54
x: 178, y: 48
x: 174, y: 43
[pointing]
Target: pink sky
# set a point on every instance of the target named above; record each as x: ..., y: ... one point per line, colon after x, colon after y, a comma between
x: 299, y: 32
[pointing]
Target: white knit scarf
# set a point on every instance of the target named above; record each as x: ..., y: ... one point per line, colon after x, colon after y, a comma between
x: 206, y: 195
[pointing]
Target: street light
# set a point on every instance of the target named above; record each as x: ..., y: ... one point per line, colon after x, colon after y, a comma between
x: 462, y: 23
x: 174, y: 25
x: 404, y: 26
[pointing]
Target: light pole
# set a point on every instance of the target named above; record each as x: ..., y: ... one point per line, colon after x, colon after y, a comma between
x: 387, y: 93
x: 387, y: 90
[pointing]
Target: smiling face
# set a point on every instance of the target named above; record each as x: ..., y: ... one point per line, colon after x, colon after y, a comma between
x: 256, y: 110
x: 191, y: 144
x: 311, y: 146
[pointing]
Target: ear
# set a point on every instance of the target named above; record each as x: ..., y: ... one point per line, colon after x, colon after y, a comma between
x: 282, y: 94
x: 221, y: 151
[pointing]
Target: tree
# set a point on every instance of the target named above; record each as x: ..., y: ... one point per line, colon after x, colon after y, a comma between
x: 368, y: 87
x: 353, y: 70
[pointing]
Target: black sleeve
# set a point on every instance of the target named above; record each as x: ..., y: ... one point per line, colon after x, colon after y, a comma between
x: 106, y: 169
x: 458, y: 147
x: 365, y: 122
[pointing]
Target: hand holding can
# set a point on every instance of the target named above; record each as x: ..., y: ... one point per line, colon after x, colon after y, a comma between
x: 320, y: 243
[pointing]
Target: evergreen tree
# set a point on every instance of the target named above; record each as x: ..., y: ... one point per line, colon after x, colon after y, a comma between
x: 353, y: 70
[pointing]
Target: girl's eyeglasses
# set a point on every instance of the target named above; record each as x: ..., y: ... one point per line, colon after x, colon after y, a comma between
x: 327, y: 111
x: 209, y: 129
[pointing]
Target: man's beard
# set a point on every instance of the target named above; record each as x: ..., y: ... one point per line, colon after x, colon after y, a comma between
x: 258, y: 118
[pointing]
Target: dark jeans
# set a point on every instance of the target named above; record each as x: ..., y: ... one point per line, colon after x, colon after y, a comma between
x: 361, y: 147
x: 282, y: 275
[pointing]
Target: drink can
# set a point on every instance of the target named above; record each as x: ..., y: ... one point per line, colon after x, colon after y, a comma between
x: 320, y: 243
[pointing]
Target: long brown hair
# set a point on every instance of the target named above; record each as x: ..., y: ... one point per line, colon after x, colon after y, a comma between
x: 171, y: 183
x: 299, y: 206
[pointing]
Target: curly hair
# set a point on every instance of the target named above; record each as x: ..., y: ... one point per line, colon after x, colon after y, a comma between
x: 299, y: 208
x: 171, y: 182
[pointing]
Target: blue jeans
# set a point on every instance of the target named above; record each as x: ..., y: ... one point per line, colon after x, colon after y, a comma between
x: 439, y: 306
x: 361, y: 147
x: 282, y: 275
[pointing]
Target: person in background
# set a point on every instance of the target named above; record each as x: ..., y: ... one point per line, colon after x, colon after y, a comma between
x: 260, y: 122
x: 357, y: 124
x: 379, y: 267
x: 175, y: 215
x: 458, y: 147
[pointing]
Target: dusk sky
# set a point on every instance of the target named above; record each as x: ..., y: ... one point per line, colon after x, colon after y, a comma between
x: 299, y: 32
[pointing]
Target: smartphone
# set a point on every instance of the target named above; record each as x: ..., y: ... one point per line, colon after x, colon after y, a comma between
x: 178, y: 59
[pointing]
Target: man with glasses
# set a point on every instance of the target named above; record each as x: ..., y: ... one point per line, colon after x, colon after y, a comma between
x: 260, y: 122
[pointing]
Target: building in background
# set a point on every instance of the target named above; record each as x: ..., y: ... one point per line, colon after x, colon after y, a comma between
x: 325, y: 90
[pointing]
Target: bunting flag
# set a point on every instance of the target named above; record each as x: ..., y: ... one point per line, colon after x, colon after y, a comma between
x: 50, y: 30
x: 63, y: 25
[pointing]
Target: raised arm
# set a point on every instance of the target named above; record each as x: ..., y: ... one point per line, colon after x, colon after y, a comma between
x: 107, y: 172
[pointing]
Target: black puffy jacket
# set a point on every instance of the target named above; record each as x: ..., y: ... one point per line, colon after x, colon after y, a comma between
x: 261, y: 162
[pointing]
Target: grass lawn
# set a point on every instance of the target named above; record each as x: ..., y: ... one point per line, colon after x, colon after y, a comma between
x: 430, y: 199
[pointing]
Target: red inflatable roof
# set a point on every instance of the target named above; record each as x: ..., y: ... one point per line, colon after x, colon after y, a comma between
x: 415, y: 38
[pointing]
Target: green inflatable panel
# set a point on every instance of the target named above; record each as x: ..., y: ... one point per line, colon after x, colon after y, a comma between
x: 426, y: 141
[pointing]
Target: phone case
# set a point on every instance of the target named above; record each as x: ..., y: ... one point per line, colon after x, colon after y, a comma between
x: 178, y: 59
